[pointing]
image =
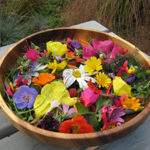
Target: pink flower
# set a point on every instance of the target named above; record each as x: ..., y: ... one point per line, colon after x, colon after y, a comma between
x: 104, y: 46
x: 88, y: 97
x: 113, y: 54
x: 9, y: 91
x: 43, y: 53
x: 32, y: 54
x: 89, y: 51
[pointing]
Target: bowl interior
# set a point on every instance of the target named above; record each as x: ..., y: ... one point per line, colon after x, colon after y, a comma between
x: 60, y: 139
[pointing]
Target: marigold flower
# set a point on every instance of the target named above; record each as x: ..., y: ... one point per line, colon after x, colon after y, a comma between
x: 83, y: 43
x: 77, y: 125
x: 102, y: 80
x: 43, y: 78
x: 131, y: 103
x: 93, y: 64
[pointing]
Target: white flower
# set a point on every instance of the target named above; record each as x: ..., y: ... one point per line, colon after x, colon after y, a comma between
x: 79, y: 75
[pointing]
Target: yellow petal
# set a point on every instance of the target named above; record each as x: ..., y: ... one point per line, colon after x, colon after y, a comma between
x: 41, y: 105
x: 121, y: 87
x: 68, y: 100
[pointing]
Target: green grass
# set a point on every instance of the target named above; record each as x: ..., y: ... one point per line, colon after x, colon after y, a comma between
x: 20, y: 18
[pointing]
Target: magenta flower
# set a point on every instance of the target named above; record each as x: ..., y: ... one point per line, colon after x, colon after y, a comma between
x: 24, y: 97
x: 89, y: 51
x: 9, y: 92
x: 65, y: 109
x: 115, y: 114
x: 113, y: 54
x: 104, y: 46
x: 32, y: 54
x: 88, y: 97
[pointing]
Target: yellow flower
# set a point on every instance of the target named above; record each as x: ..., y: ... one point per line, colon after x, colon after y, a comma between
x: 131, y: 69
x: 93, y: 64
x: 102, y: 80
x: 52, y: 95
x: 56, y: 47
x: 131, y: 103
x: 121, y: 87
x: 55, y: 66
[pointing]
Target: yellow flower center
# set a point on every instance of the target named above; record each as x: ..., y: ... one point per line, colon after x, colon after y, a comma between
x: 74, y: 128
x: 76, y: 73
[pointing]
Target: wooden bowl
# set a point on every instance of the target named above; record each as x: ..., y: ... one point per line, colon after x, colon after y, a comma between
x: 70, y: 140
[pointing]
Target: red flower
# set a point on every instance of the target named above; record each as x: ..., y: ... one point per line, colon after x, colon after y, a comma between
x: 77, y: 125
x: 93, y: 87
x: 73, y: 92
x: 32, y: 54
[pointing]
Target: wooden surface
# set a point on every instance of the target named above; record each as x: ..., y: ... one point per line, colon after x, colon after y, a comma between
x: 20, y: 137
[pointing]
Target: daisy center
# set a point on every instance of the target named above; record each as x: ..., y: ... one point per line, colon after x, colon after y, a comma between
x: 76, y: 73
x: 75, y: 128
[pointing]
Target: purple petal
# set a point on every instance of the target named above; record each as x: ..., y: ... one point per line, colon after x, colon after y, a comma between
x: 65, y: 108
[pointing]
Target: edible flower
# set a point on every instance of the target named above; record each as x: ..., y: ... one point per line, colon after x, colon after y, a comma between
x: 54, y: 65
x: 24, y: 97
x: 79, y: 75
x: 104, y: 46
x: 131, y: 103
x: 43, y: 78
x: 32, y: 54
x: 76, y: 125
x: 89, y: 51
x: 120, y: 87
x: 88, y: 97
x: 93, y: 64
x: 57, y: 47
x: 52, y: 95
x: 66, y: 110
x: 102, y: 80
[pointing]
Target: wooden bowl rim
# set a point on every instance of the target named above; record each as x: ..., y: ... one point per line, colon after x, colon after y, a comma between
x: 137, y: 119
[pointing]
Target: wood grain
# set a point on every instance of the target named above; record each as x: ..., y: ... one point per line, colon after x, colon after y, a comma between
x: 70, y: 140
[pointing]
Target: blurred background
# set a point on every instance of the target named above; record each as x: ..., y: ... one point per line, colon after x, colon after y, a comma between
x: 130, y: 19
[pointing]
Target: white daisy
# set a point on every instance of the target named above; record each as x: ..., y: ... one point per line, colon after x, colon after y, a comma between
x: 79, y: 75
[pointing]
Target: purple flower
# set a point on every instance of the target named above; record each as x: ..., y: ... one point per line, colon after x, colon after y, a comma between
x: 24, y: 97
x: 89, y: 51
x: 65, y: 109
x: 115, y: 114
x: 130, y: 79
x: 76, y: 44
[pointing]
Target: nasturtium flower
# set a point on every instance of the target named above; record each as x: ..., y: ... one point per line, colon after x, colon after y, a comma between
x: 93, y: 64
x: 79, y: 75
x: 131, y: 103
x: 24, y: 97
x: 57, y: 47
x: 52, y: 95
x: 76, y: 125
x: 102, y: 80
x: 120, y: 87
x: 54, y: 65
x: 43, y: 78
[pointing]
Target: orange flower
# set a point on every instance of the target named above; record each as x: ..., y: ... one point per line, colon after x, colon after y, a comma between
x: 77, y: 125
x: 43, y: 78
x: 82, y: 42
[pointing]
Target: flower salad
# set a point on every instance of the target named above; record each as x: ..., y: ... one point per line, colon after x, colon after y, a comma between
x: 76, y: 86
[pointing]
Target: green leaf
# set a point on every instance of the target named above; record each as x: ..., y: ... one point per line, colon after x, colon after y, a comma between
x: 81, y: 108
x: 102, y: 101
x: 92, y: 119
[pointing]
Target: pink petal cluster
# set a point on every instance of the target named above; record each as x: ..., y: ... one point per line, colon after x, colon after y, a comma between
x: 88, y: 97
x: 112, y: 55
x: 32, y: 54
x: 104, y: 46
x: 89, y: 51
